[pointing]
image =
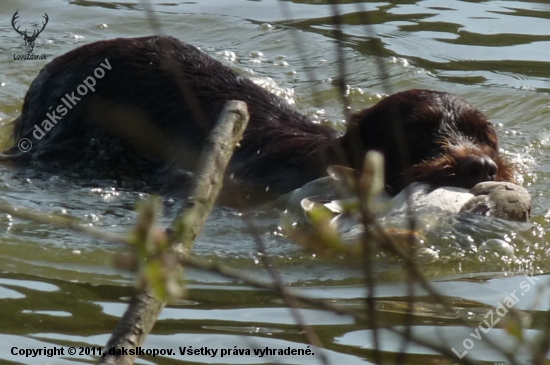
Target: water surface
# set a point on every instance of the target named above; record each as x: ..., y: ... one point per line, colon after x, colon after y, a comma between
x: 58, y: 288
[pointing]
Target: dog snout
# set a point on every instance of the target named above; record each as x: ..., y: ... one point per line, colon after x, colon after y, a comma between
x: 479, y: 168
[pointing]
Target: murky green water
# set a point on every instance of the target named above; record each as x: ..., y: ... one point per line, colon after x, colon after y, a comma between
x: 58, y: 288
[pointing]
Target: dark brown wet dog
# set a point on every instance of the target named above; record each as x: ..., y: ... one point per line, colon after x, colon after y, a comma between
x: 154, y: 105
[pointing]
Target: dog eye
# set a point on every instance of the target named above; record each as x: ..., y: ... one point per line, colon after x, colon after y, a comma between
x: 482, y: 137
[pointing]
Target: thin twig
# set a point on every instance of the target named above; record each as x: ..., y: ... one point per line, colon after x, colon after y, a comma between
x: 63, y: 222
x: 144, y: 308
x: 339, y: 35
x: 387, y: 242
x: 299, y: 47
x: 289, y: 298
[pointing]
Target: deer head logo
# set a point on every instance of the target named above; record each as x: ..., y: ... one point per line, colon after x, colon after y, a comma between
x: 29, y: 39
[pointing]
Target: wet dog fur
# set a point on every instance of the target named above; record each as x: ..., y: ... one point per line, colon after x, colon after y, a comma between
x: 150, y: 114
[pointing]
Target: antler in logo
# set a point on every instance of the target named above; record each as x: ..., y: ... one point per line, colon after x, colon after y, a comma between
x: 29, y: 40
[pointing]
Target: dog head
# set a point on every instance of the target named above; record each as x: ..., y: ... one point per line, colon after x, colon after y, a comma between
x: 428, y: 136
